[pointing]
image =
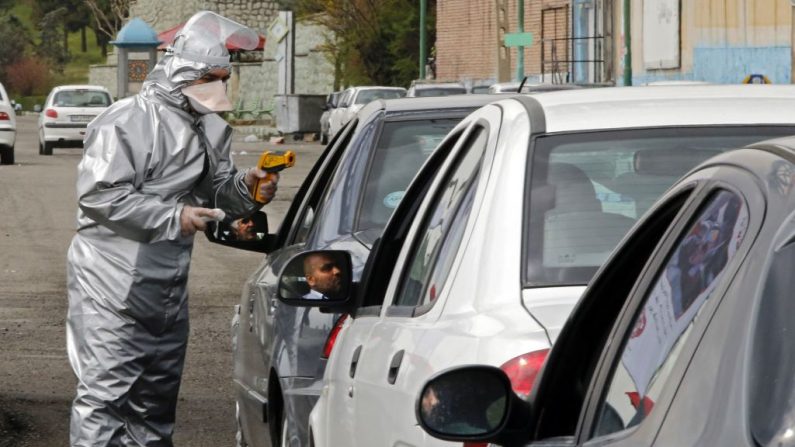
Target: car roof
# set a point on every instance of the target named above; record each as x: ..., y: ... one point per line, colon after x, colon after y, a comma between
x: 662, y: 106
x: 429, y: 103
x: 79, y: 87
x: 379, y: 87
x: 424, y: 85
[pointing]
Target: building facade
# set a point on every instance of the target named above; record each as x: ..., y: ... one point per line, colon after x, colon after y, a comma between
x: 717, y: 41
x: 253, y: 84
x: 566, y: 35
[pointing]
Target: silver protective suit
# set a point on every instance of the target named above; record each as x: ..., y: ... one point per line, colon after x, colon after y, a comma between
x: 127, y: 326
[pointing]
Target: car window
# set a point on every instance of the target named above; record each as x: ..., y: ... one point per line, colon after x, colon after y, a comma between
x: 421, y: 92
x: 772, y: 384
x: 365, y: 96
x: 402, y: 147
x: 345, y: 101
x: 443, y: 229
x: 81, y: 98
x: 671, y: 307
x: 588, y: 189
x: 320, y: 186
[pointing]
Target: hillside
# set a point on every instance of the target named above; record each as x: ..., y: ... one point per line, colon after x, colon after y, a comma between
x: 75, y: 70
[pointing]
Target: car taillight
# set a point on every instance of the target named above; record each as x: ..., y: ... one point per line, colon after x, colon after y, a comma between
x: 523, y: 370
x: 4, y: 116
x: 332, y: 336
x: 476, y: 444
x: 51, y: 113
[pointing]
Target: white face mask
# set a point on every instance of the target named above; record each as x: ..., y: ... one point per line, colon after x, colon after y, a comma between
x: 209, y: 97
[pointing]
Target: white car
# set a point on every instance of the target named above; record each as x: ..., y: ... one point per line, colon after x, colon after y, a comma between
x: 8, y: 128
x: 496, y: 238
x: 419, y: 89
x: 354, y: 98
x: 66, y: 114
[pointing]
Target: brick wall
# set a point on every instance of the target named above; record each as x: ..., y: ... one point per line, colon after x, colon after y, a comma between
x: 466, y: 37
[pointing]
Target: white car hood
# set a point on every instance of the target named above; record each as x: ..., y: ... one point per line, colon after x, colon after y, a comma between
x: 551, y: 306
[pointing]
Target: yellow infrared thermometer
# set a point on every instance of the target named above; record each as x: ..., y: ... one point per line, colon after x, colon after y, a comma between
x: 272, y: 162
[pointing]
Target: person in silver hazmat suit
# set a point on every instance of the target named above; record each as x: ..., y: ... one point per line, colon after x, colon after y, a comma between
x: 155, y: 167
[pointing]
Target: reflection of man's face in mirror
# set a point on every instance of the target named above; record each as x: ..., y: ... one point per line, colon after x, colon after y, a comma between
x: 243, y: 229
x: 323, y: 274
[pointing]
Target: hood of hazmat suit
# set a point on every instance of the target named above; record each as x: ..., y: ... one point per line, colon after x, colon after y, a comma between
x: 145, y: 158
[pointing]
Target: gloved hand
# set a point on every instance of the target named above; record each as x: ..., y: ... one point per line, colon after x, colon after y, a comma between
x: 268, y: 188
x: 195, y: 218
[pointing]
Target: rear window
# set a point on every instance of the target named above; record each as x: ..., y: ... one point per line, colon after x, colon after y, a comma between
x: 365, y: 96
x: 401, y: 150
x: 81, y: 98
x: 441, y: 91
x: 588, y: 189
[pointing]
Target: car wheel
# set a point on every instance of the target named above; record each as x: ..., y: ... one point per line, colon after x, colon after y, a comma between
x: 41, y: 148
x: 7, y: 156
x: 47, y: 150
x: 240, y: 440
x: 284, y: 439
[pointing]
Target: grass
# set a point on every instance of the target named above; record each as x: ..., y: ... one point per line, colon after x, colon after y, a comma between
x: 76, y: 70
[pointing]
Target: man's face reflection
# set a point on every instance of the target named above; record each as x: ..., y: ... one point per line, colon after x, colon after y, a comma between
x: 243, y: 229
x: 323, y: 274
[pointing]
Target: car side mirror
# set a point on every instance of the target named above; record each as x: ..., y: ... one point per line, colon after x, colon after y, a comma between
x: 319, y: 278
x: 473, y: 404
x: 247, y: 233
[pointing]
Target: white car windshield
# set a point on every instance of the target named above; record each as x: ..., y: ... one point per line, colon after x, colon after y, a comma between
x: 588, y: 189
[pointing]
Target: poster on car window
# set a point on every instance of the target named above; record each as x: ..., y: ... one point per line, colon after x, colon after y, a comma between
x: 689, y: 278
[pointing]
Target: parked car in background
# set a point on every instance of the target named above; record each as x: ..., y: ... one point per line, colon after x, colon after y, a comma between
x: 501, y: 230
x: 67, y: 112
x: 280, y: 351
x: 420, y: 89
x: 8, y: 128
x: 683, y: 338
x: 529, y: 87
x: 480, y: 88
x: 331, y: 104
x: 354, y: 98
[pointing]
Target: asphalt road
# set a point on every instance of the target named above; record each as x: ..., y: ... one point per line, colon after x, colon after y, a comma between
x: 38, y: 208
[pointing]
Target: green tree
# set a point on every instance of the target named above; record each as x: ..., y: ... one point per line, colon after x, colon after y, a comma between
x: 75, y: 17
x: 108, y: 16
x: 374, y: 42
x: 14, y: 41
x: 50, y: 46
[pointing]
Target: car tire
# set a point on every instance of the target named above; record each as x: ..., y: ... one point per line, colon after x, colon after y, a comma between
x: 240, y: 440
x: 7, y: 156
x: 41, y: 148
x: 47, y: 149
x: 284, y: 441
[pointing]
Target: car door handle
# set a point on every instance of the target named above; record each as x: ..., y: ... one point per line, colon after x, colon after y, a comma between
x: 355, y: 361
x: 394, y: 367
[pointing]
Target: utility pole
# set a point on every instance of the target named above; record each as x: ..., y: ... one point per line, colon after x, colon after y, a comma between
x: 627, y: 17
x: 423, y: 57
x: 520, y: 49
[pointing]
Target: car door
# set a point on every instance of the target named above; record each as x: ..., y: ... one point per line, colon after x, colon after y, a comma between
x: 400, y: 351
x: 253, y: 327
x: 584, y: 395
x: 338, y: 406
x: 665, y: 317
